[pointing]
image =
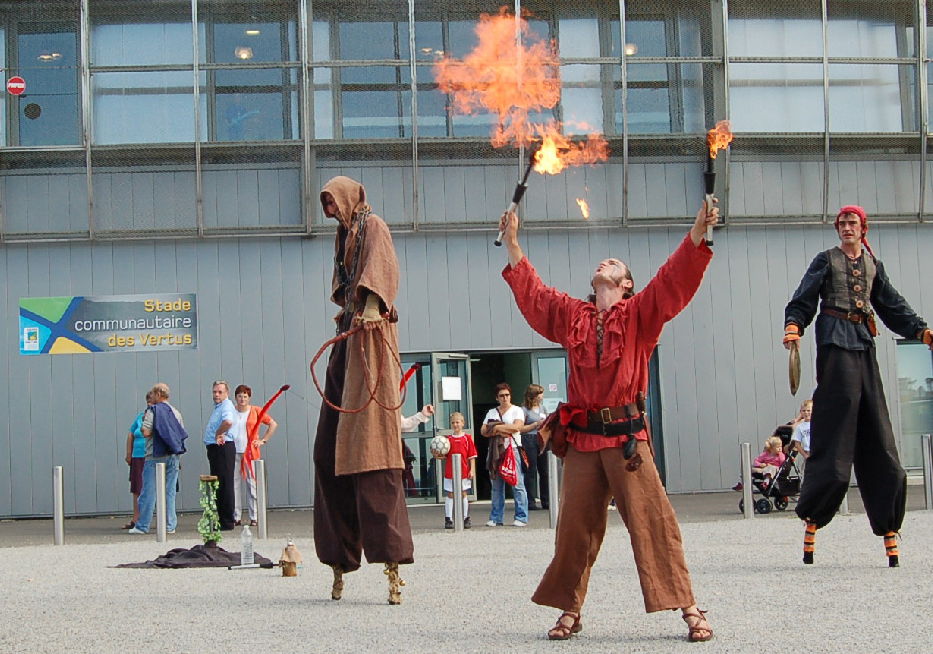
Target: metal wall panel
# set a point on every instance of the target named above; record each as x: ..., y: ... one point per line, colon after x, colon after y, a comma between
x: 264, y: 311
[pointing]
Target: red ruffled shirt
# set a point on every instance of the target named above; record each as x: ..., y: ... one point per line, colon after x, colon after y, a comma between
x: 631, y: 329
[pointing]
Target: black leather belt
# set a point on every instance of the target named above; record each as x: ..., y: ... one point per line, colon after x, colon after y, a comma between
x: 628, y: 427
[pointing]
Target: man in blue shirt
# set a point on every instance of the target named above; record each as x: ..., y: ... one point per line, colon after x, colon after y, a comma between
x: 221, y: 452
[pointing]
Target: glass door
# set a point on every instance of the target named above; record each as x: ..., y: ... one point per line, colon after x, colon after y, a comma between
x: 452, y: 393
x: 549, y: 370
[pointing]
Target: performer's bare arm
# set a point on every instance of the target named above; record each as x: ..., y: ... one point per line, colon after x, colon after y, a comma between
x: 508, y: 225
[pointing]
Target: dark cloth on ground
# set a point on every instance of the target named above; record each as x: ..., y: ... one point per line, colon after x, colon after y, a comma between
x: 199, y: 556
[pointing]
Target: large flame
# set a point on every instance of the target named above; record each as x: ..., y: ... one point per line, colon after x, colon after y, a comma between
x: 719, y: 137
x: 516, y: 78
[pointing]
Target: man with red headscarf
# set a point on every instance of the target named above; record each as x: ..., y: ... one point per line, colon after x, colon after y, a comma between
x: 359, y: 497
x: 850, y: 416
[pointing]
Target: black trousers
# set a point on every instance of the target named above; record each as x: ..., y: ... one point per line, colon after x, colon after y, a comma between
x: 850, y: 425
x: 354, y: 514
x: 530, y: 445
x: 222, y: 460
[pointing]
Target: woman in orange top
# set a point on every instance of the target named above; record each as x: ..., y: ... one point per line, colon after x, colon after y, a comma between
x: 247, y: 416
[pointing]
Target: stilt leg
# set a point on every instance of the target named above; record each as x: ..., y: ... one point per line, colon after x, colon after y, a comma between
x: 809, y: 543
x: 395, y: 583
x: 336, y: 591
x: 890, y: 546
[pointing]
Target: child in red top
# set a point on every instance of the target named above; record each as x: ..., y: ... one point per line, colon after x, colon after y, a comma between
x: 460, y: 443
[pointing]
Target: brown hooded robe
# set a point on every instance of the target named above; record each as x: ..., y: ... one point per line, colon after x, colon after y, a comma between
x: 359, y: 495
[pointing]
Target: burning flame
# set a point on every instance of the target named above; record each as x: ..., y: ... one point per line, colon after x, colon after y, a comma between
x: 516, y: 78
x: 584, y: 208
x: 719, y: 137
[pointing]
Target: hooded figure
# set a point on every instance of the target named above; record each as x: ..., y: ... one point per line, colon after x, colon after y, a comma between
x: 359, y: 494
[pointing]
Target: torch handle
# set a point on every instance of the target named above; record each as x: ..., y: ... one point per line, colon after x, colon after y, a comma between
x: 512, y: 207
x: 709, y: 228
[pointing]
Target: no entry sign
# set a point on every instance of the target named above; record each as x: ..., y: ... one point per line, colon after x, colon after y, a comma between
x: 16, y: 85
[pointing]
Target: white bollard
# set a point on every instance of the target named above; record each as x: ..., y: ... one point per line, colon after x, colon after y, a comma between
x: 160, y: 502
x: 748, y: 509
x: 925, y: 446
x: 58, y: 504
x: 457, y: 483
x: 259, y: 466
x: 844, y: 507
x: 553, y: 472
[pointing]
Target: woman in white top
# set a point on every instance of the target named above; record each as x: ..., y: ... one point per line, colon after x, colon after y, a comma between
x: 505, y: 422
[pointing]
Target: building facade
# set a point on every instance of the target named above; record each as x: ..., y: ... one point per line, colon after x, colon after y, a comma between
x: 177, y: 147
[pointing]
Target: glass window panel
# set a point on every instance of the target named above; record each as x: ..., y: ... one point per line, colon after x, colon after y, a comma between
x: 915, y: 395
x: 663, y: 98
x: 878, y: 29
x: 249, y: 77
x: 776, y: 97
x: 462, y: 37
x: 47, y: 60
x: 323, y: 115
x: 366, y: 41
x: 429, y: 40
x: 369, y: 75
x: 3, y: 130
x: 320, y: 41
x: 249, y: 116
x: 141, y: 44
x: 578, y: 37
x: 775, y: 29
x: 371, y: 114
x: 580, y: 74
x: 582, y: 110
x: 143, y: 107
x: 432, y: 112
x: 870, y: 98
x: 248, y: 42
x: 648, y: 37
x: 648, y: 111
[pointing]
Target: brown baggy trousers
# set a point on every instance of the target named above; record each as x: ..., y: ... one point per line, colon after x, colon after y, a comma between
x: 590, y: 480
x: 355, y: 514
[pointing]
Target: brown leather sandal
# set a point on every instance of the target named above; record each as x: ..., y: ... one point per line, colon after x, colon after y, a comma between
x: 563, y: 631
x: 695, y: 633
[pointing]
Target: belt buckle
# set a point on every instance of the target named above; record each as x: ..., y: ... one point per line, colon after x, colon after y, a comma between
x: 605, y: 415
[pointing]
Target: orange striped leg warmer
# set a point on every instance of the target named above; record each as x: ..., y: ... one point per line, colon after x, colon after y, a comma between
x: 890, y: 546
x: 809, y: 542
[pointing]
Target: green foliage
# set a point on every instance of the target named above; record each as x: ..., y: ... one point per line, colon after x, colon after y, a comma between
x: 209, y: 524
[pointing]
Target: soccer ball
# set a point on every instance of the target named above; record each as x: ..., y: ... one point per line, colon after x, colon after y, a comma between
x: 440, y: 446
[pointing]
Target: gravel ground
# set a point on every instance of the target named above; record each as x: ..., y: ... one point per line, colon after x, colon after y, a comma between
x: 470, y: 592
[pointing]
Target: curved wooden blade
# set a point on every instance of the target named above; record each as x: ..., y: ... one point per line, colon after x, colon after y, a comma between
x: 794, y: 367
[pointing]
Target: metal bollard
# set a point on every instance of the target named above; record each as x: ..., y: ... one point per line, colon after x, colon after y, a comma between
x: 926, y: 447
x: 457, y: 483
x: 748, y: 505
x: 160, y: 502
x: 58, y: 504
x: 553, y: 471
x: 259, y: 466
x: 844, y: 507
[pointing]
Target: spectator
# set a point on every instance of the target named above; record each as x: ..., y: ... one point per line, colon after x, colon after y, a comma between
x: 503, y: 425
x: 460, y: 443
x: 221, y: 452
x: 770, y: 460
x: 136, y: 459
x: 247, y: 417
x: 537, y: 461
x: 164, y: 431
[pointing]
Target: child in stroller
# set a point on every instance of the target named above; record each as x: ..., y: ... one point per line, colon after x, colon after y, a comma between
x: 774, y: 477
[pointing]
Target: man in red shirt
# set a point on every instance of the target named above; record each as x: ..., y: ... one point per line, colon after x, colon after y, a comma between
x: 609, y: 340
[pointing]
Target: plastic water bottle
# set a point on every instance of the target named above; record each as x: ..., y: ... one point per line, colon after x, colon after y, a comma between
x: 246, y: 546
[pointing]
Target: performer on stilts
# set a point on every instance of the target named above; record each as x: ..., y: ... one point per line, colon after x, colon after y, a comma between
x: 850, y: 422
x: 359, y: 498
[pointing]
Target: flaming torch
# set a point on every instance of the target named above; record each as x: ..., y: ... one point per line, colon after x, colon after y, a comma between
x: 516, y: 79
x: 520, y: 189
x: 718, y: 138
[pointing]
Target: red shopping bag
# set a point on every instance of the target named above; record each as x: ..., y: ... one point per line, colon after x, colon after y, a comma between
x: 507, y: 469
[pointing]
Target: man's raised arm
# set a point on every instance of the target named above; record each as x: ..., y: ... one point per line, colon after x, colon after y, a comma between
x: 508, y: 225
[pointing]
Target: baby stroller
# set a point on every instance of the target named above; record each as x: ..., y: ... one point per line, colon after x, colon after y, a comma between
x: 775, y: 493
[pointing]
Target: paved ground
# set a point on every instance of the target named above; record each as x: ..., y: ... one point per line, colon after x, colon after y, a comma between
x: 469, y: 592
